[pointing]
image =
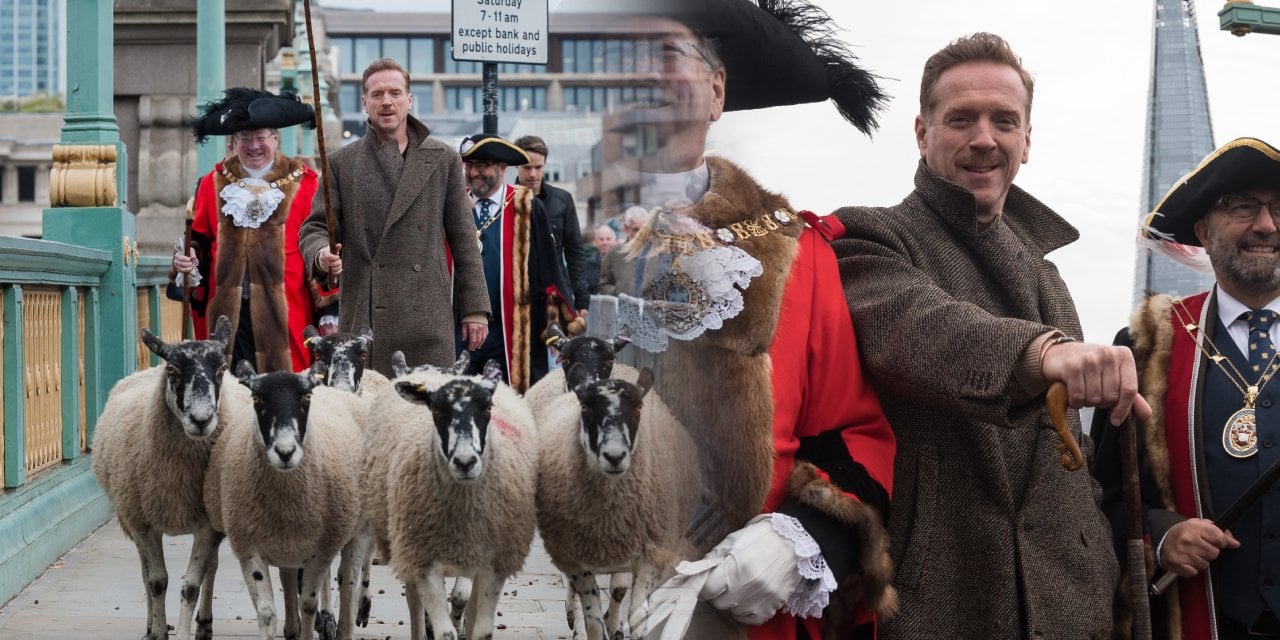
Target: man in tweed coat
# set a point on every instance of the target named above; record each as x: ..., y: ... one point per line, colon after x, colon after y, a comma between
x: 962, y: 323
x: 411, y: 268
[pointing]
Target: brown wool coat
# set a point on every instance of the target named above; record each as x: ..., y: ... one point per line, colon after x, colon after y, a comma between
x: 990, y: 536
x: 395, y: 275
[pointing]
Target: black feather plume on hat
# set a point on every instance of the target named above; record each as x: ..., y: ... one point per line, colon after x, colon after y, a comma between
x: 855, y: 91
x: 245, y: 109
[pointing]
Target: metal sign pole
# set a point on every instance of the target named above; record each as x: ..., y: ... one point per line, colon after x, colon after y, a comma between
x: 490, y: 87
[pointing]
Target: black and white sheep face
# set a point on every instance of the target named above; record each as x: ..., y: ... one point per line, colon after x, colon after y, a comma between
x: 344, y: 354
x: 193, y: 377
x: 611, y: 421
x: 460, y: 410
x: 595, y: 355
x: 282, y: 402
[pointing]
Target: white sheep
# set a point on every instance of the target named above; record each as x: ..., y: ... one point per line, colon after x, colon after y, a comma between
x: 618, y: 484
x: 460, y: 493
x: 283, y: 484
x: 595, y: 354
x: 150, y: 452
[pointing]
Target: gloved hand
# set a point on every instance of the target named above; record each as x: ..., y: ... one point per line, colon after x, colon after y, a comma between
x: 750, y: 575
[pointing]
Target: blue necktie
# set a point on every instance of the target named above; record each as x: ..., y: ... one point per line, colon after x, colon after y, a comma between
x: 484, y: 211
x: 1261, y: 350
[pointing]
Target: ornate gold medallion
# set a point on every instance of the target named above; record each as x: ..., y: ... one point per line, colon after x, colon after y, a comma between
x: 1240, y: 435
x: 686, y: 301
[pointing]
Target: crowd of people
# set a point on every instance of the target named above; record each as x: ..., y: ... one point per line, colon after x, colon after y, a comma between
x: 867, y: 388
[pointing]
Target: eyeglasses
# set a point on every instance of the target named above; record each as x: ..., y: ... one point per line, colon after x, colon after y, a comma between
x: 1244, y: 208
x: 254, y: 139
x: 662, y: 55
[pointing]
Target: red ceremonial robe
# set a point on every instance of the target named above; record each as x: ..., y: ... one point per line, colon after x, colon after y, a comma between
x: 297, y: 292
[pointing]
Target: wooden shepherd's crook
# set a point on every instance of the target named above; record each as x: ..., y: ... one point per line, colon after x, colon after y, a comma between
x: 330, y: 225
x: 1056, y: 401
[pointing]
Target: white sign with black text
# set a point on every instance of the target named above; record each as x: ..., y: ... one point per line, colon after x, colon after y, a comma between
x: 500, y: 31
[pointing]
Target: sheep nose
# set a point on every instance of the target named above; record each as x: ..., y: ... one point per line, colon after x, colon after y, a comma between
x: 465, y: 464
x: 615, y: 460
x: 285, y: 453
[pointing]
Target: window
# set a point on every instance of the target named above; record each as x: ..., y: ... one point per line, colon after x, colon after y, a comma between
x: 26, y: 184
x: 422, y: 55
x: 342, y: 51
x: 554, y: 172
x: 349, y: 98
x: 422, y: 98
x: 397, y: 49
x: 458, y: 66
x: 366, y: 51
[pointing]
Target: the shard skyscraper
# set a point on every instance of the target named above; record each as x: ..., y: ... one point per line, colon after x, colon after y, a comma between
x: 1179, y: 135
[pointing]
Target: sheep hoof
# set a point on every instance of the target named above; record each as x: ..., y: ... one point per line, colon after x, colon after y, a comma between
x: 204, y: 629
x: 326, y: 626
x: 362, y: 616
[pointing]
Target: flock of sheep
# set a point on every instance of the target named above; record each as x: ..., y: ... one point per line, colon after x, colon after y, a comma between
x: 433, y: 472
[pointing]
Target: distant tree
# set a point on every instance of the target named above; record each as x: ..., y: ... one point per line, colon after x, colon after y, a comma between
x: 42, y: 103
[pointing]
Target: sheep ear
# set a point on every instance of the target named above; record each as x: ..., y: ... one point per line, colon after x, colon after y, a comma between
x: 318, y: 372
x: 366, y: 333
x: 645, y: 382
x: 398, y: 366
x: 623, y: 338
x: 492, y: 371
x: 155, y: 344
x: 310, y: 332
x: 221, y: 330
x: 463, y: 361
x: 244, y: 371
x: 488, y: 384
x: 413, y: 392
x: 576, y: 376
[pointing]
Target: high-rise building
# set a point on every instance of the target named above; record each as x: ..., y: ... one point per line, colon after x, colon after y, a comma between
x: 32, y: 48
x: 1179, y: 135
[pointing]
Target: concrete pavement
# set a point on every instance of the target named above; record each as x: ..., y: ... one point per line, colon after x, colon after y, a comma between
x: 95, y: 592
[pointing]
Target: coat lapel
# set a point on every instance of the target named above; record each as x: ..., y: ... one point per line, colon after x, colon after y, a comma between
x: 418, y: 164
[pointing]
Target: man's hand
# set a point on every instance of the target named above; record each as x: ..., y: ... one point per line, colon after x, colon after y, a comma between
x: 187, y: 263
x: 1096, y: 376
x: 474, y: 333
x: 329, y: 262
x: 1192, y: 544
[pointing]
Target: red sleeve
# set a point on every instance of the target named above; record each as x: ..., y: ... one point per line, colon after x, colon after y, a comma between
x: 204, y: 224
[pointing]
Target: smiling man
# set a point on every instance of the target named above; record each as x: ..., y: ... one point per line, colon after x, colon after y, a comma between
x: 963, y: 323
x: 1206, y: 361
x: 410, y: 269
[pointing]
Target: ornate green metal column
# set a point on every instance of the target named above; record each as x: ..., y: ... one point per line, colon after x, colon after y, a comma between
x: 87, y: 189
x: 1243, y: 18
x: 211, y: 70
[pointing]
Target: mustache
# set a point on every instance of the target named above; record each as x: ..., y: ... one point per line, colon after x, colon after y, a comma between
x: 992, y: 158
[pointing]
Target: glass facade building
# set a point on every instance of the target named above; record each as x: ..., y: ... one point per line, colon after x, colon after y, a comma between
x: 1178, y: 135
x: 31, y: 47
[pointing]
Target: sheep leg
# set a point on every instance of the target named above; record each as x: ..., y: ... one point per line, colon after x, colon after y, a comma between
x: 362, y: 547
x: 484, y: 598
x: 203, y: 545
x: 257, y: 577
x: 461, y: 595
x: 644, y: 579
x: 325, y: 624
x: 413, y: 597
x: 204, y: 613
x: 584, y: 584
x: 315, y: 576
x: 290, y: 584
x: 434, y: 600
x: 572, y: 608
x: 155, y: 580
x: 353, y: 556
x: 613, y: 620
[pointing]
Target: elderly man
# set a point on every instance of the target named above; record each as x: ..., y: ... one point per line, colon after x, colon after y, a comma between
x: 963, y: 324
x: 245, y: 232
x: 521, y: 266
x: 1205, y: 363
x: 411, y: 270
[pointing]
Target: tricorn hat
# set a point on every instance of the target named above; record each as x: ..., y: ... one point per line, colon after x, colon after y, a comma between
x: 1243, y: 163
x: 483, y: 147
x: 244, y: 109
x: 775, y: 52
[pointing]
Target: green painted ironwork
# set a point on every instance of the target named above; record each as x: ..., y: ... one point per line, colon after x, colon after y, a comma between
x: 70, y: 375
x: 90, y: 117
x: 94, y: 386
x: 1241, y: 18
x: 211, y: 68
x: 15, y: 409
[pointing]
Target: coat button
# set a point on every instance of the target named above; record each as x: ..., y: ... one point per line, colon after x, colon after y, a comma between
x: 1267, y: 444
x: 1266, y: 402
x: 421, y: 227
x: 417, y: 267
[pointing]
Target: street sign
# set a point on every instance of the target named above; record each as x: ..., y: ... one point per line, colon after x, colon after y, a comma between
x: 500, y: 31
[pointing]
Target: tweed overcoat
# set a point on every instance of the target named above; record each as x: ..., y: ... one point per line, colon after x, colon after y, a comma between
x: 990, y: 536
x: 394, y: 224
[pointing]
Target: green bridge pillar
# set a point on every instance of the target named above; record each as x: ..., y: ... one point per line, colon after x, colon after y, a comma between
x: 211, y: 70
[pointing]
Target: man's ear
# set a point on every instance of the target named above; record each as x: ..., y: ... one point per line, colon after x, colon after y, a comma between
x: 717, y: 94
x: 1202, y: 231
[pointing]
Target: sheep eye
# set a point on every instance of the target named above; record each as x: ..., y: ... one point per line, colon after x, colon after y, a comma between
x: 306, y: 398
x: 171, y: 370
x: 257, y: 401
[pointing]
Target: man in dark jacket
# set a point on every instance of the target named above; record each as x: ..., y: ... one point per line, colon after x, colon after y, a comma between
x: 563, y: 217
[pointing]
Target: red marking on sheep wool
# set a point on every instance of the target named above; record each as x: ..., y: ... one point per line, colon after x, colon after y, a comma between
x: 508, y: 431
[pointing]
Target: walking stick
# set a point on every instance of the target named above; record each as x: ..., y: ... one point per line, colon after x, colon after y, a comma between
x: 1055, y: 401
x: 186, y: 285
x: 324, y: 158
x: 1134, y: 548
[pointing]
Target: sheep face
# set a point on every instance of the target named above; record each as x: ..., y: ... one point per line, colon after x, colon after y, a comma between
x: 610, y: 421
x: 282, y: 402
x: 193, y: 377
x: 596, y: 355
x: 460, y: 410
x: 344, y: 354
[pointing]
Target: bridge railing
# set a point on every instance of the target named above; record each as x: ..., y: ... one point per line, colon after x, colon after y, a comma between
x: 50, y: 327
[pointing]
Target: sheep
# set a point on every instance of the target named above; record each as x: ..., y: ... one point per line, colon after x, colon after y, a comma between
x: 596, y: 354
x: 460, y: 493
x: 150, y: 452
x: 283, y: 486
x: 617, y: 485
x: 345, y: 355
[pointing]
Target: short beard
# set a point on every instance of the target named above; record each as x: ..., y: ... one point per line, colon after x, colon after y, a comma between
x: 1257, y: 276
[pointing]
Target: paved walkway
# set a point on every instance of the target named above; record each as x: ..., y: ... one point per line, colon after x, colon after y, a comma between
x: 95, y: 592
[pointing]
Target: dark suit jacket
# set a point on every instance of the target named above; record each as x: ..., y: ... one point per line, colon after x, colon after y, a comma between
x: 562, y: 215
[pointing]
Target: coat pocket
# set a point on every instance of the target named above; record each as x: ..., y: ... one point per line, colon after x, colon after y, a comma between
x: 912, y: 539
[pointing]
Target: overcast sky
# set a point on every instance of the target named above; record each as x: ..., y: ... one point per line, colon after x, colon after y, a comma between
x: 1091, y: 61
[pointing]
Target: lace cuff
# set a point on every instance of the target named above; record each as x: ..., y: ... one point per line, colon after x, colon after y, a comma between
x: 817, y: 582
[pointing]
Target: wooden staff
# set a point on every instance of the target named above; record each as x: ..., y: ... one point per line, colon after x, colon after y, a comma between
x: 186, y: 279
x: 1056, y: 402
x: 324, y: 158
x: 1134, y: 547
